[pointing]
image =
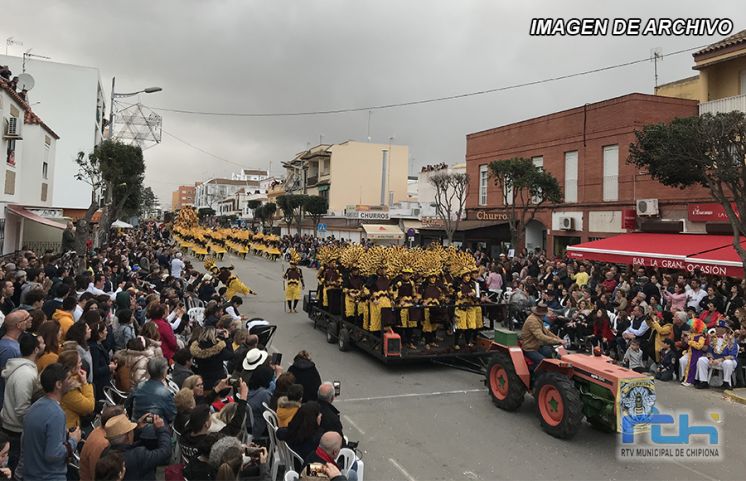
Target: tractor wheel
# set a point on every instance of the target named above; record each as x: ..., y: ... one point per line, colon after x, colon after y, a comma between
x: 331, y: 332
x: 343, y: 341
x: 506, y: 388
x: 558, y: 404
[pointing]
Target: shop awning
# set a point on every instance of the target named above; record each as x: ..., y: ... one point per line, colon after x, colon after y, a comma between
x: 668, y: 251
x: 382, y: 232
x: 19, y: 210
x: 411, y: 224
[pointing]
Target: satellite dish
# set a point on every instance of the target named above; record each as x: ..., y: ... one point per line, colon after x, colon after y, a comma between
x: 25, y: 82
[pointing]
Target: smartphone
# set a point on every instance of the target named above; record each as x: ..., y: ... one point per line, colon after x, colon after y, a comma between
x: 149, y: 419
x: 276, y: 359
x: 337, y: 388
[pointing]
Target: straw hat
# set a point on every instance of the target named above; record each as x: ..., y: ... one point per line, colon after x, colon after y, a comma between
x: 118, y: 426
x: 254, y: 358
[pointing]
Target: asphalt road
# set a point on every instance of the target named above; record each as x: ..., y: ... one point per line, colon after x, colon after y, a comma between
x: 427, y: 422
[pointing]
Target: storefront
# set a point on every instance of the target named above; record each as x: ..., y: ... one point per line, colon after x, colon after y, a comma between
x: 382, y: 234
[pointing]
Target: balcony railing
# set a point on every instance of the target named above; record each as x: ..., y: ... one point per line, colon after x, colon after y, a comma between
x: 727, y: 104
x: 312, y: 181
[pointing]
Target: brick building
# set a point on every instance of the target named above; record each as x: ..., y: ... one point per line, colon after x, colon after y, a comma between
x: 586, y: 149
x: 182, y: 196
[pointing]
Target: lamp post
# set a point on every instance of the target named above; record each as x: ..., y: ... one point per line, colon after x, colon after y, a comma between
x: 115, y: 95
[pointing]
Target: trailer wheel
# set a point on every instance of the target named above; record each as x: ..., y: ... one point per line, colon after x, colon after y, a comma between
x: 331, y: 332
x: 506, y: 388
x: 344, y: 342
x: 558, y: 405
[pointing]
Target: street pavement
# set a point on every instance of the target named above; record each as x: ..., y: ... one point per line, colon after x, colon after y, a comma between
x: 427, y: 422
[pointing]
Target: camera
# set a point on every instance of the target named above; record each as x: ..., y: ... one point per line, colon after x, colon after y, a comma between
x: 276, y: 359
x: 337, y: 388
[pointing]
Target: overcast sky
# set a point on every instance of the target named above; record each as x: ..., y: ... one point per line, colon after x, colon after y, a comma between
x: 304, y: 55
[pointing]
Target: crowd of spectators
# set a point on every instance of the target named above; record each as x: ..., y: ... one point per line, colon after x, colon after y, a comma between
x: 673, y: 324
x: 106, y: 376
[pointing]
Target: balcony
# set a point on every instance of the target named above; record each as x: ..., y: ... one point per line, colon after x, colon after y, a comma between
x: 311, y: 181
x: 727, y: 104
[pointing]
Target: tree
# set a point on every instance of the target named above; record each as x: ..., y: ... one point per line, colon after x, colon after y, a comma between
x: 525, y: 187
x: 122, y: 170
x: 268, y: 214
x: 292, y: 209
x: 708, y: 150
x: 450, y: 199
x: 253, y: 204
x: 315, y: 206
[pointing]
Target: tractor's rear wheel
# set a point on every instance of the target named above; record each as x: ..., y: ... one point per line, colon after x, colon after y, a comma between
x: 506, y: 388
x: 558, y: 405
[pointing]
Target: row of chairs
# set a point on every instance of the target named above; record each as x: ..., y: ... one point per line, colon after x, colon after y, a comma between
x: 281, y: 455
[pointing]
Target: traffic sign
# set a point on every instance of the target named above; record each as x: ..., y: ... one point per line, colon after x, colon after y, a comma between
x: 410, y: 232
x: 321, y: 227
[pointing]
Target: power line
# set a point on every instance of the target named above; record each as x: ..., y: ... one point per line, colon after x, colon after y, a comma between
x: 421, y: 101
x: 202, y: 150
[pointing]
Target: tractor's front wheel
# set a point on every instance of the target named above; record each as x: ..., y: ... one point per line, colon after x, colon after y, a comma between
x: 506, y: 388
x: 558, y: 405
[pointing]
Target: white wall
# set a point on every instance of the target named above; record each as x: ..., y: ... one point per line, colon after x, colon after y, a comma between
x: 70, y: 100
x: 577, y: 215
x: 29, y: 167
x: 605, y: 221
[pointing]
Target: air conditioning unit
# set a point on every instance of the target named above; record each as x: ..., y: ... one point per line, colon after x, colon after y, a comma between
x: 647, y: 207
x: 13, y: 129
x: 567, y: 223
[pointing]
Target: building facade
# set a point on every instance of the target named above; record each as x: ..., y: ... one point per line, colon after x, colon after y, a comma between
x: 350, y: 173
x: 720, y: 84
x: 183, y: 196
x: 70, y: 98
x: 586, y: 150
x: 28, y: 149
x: 210, y: 193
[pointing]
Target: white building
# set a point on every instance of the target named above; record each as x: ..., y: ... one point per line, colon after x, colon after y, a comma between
x: 28, y: 148
x: 70, y: 98
x: 426, y: 191
x: 211, y: 192
x: 250, y: 174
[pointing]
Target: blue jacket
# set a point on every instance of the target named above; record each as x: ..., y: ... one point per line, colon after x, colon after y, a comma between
x: 154, y: 398
x: 256, y: 398
x: 9, y: 349
x: 141, y: 462
x: 43, y: 449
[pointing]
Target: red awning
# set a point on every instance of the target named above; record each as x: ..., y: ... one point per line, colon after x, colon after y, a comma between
x: 19, y: 210
x: 668, y: 251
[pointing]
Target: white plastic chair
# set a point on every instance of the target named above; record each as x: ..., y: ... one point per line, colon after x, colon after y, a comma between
x: 197, y: 314
x: 290, y: 456
x: 274, y: 452
x: 721, y: 380
x: 291, y: 476
x: 273, y: 412
x: 349, y: 457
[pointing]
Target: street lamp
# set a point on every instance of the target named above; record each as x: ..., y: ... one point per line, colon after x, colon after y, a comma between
x: 115, y: 95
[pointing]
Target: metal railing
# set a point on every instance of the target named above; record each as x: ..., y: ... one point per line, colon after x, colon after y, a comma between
x: 727, y: 104
x: 41, y: 247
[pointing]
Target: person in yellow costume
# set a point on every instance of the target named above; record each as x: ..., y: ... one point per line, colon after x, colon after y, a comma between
x: 293, y: 284
x: 432, y: 296
x: 380, y: 302
x: 355, y: 295
x: 466, y: 299
x: 405, y: 294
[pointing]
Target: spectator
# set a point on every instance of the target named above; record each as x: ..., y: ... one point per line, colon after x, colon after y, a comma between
x: 102, y: 366
x: 152, y: 338
x: 327, y: 453
x: 177, y: 265
x: 140, y: 462
x: 65, y: 314
x: 50, y: 332
x: 46, y: 443
x: 210, y: 354
x: 15, y: 324
x: 7, y: 297
x: 306, y: 374
x: 282, y: 384
x: 182, y: 366
x: 132, y: 364
x: 260, y: 392
x: 667, y: 365
x: 153, y: 396
x: 288, y: 405
x: 157, y: 313
x: 96, y: 443
x: 110, y: 468
x: 20, y: 377
x: 303, y: 433
x: 125, y: 331
x: 633, y: 357
x: 50, y: 306
x: 5, y: 472
x: 330, y: 420
x: 78, y: 400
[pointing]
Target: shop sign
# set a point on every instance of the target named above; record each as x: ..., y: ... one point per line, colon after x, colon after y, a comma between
x: 432, y: 221
x: 49, y: 213
x: 629, y: 219
x: 709, y: 212
x: 487, y: 215
x: 367, y: 215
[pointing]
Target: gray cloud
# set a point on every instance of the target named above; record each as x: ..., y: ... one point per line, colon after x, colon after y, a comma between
x: 290, y: 55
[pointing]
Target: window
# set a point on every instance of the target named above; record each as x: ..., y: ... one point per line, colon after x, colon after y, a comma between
x: 44, y: 188
x: 611, y: 173
x: 10, y: 182
x: 571, y: 176
x: 539, y: 163
x: 483, y: 179
x: 11, y: 158
x: 44, y: 170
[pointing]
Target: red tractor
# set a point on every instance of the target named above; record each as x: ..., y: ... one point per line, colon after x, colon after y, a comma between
x: 568, y: 388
